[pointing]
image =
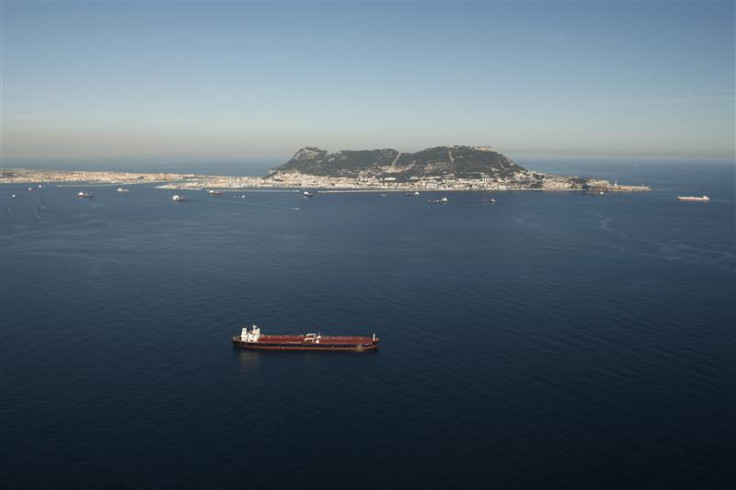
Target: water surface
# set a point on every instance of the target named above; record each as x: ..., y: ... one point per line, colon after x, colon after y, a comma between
x: 553, y: 341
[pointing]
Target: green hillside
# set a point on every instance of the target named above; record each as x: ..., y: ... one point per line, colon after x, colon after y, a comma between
x: 460, y: 161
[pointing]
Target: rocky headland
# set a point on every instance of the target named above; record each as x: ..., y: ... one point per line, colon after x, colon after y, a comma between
x: 459, y: 168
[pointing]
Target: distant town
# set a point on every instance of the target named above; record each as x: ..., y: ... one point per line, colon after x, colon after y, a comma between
x: 519, y: 181
x: 442, y: 168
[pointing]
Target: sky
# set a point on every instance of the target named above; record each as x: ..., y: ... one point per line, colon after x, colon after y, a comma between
x: 134, y: 81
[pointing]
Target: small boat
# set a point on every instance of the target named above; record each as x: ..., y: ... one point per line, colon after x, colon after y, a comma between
x: 85, y: 195
x: 30, y: 189
x: 12, y: 196
x: 444, y: 200
x: 412, y: 194
x: 307, y: 194
x: 121, y: 189
x: 178, y: 198
x: 693, y: 198
x: 491, y: 201
x: 215, y: 193
x: 255, y: 340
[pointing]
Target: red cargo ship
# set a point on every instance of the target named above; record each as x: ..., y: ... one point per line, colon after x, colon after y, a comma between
x: 254, y: 339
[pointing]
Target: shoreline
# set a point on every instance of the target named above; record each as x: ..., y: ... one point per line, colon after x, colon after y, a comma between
x: 526, y: 181
x: 324, y: 190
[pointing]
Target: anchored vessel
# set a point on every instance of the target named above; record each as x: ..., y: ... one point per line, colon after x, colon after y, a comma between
x: 85, y: 195
x: 254, y: 339
x: 693, y: 198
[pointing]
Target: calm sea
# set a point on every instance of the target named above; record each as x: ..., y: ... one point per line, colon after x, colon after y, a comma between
x: 554, y: 341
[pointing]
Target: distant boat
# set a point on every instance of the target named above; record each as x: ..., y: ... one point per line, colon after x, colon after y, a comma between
x: 30, y: 189
x: 307, y: 194
x: 215, y: 193
x: 693, y: 198
x: 491, y: 201
x: 444, y: 200
x: 85, y: 195
x: 412, y: 194
x: 121, y: 189
x: 178, y: 198
x: 13, y: 196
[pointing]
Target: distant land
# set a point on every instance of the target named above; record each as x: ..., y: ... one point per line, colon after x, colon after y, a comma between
x: 459, y: 168
x: 457, y: 161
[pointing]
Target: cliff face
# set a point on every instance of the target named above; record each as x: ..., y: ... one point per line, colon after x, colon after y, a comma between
x: 460, y: 161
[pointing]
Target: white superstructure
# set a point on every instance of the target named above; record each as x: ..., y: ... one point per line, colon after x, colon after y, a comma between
x: 251, y: 336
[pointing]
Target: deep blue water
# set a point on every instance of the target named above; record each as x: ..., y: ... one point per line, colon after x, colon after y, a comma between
x: 555, y: 341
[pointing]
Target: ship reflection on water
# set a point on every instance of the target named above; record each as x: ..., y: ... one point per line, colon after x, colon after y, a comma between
x: 253, y: 361
x: 249, y: 360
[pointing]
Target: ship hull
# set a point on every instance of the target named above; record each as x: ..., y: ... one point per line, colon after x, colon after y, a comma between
x: 283, y: 343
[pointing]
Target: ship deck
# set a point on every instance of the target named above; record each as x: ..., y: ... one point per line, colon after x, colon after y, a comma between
x: 302, y: 339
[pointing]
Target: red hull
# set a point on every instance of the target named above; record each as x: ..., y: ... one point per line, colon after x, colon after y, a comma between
x: 301, y: 342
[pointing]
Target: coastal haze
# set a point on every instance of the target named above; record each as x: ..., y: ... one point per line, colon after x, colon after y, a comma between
x: 532, y: 205
x: 128, y: 83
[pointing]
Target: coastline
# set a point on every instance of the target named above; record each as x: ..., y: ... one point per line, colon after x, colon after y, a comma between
x: 173, y: 181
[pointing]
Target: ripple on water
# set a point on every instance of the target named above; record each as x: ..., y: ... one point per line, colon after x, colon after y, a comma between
x: 549, y: 341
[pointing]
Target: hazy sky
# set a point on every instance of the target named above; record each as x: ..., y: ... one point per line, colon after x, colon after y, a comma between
x: 148, y: 81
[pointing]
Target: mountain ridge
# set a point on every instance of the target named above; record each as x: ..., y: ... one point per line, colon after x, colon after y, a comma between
x: 458, y: 161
